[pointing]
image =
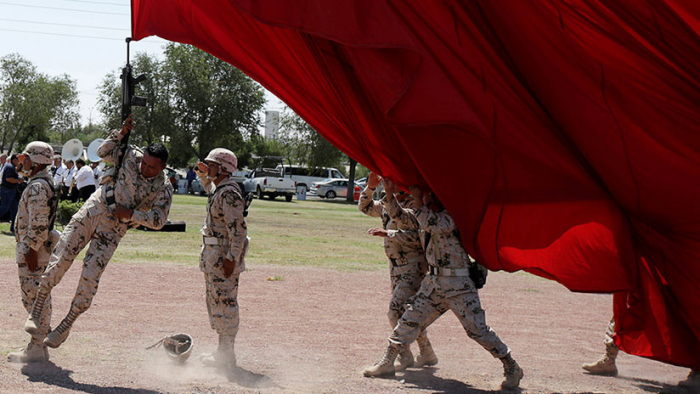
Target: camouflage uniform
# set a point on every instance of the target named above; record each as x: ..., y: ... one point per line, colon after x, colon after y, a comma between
x: 225, y: 224
x: 446, y: 287
x: 33, y: 217
x: 406, y: 256
x: 95, y: 223
x: 440, y: 293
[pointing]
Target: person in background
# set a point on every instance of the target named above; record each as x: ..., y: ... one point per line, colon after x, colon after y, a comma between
x: 84, y: 180
x: 191, y: 176
x: 8, y: 191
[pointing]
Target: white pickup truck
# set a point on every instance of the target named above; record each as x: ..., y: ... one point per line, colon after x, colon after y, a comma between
x: 269, y: 182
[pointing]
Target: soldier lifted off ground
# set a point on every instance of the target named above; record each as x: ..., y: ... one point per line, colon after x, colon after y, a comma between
x: 140, y: 195
x: 447, y: 287
x: 408, y: 265
x: 35, y: 239
x: 225, y: 244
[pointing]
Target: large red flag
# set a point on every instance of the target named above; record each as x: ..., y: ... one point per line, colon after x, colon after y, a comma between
x: 563, y: 136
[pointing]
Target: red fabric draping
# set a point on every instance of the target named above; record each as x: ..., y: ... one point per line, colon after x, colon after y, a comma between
x: 562, y: 135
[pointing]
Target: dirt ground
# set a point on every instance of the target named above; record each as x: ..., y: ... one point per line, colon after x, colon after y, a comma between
x: 311, y: 332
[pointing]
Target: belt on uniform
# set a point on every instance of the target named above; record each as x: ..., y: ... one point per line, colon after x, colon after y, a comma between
x: 438, y: 271
x: 215, y: 241
x: 412, y: 260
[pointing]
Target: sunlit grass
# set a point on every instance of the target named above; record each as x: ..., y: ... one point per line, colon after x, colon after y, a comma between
x: 305, y: 233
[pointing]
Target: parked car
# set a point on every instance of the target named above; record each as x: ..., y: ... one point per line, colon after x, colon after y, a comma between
x: 334, y: 188
x: 268, y: 182
x: 307, y: 176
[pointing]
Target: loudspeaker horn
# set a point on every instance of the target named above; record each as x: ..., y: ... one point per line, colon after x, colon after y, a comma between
x: 72, y: 150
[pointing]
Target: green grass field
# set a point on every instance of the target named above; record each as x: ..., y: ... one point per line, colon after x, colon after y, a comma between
x: 311, y: 233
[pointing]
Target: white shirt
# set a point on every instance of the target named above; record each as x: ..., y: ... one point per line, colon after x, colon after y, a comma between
x: 58, y: 176
x: 98, y: 174
x: 2, y: 169
x: 84, y: 177
x: 68, y: 175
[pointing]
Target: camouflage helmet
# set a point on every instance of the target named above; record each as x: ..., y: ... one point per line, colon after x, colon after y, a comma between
x: 39, y: 152
x: 225, y: 158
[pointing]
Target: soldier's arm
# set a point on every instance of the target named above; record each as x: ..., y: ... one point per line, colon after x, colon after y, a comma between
x: 367, y: 204
x: 405, y: 217
x: 232, y: 206
x: 435, y: 222
x: 38, y: 212
x: 158, y: 215
x: 109, y: 149
x: 403, y: 236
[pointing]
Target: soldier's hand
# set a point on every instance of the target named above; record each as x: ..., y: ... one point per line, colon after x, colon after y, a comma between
x: 417, y: 194
x: 128, y: 124
x: 229, y: 265
x: 378, y: 232
x: 389, y: 187
x: 31, y: 259
x: 373, y: 180
x: 122, y: 212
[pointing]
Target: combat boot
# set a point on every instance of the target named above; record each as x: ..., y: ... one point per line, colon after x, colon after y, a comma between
x: 511, y: 372
x: 33, y: 352
x: 60, y: 333
x: 693, y: 380
x: 605, y: 366
x: 223, y: 357
x: 404, y: 360
x: 32, y: 324
x: 426, y: 356
x: 385, y: 366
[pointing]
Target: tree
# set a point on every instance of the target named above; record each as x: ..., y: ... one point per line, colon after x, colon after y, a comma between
x: 154, y: 121
x: 304, y: 145
x: 214, y: 104
x: 196, y: 102
x: 33, y: 104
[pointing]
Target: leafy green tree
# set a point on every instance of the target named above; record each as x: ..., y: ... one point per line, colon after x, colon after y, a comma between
x: 214, y: 104
x: 304, y: 145
x: 154, y: 121
x: 33, y: 105
x: 196, y: 102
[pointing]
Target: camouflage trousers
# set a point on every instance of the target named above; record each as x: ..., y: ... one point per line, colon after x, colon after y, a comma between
x: 403, y: 287
x: 222, y: 292
x: 430, y: 303
x: 103, y: 232
x: 29, y: 285
x: 609, y: 333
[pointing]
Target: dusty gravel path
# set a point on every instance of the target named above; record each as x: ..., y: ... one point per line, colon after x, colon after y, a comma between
x: 310, y: 333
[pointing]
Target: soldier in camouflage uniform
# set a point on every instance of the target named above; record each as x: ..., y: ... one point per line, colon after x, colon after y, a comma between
x: 140, y: 195
x: 225, y: 244
x: 407, y: 263
x: 607, y: 366
x: 447, y: 287
x: 34, y: 241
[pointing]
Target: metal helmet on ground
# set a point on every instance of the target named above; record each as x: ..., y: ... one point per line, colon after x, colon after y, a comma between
x: 39, y: 152
x: 224, y: 158
x: 178, y: 347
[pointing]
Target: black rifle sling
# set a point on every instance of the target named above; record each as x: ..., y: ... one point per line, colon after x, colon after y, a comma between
x: 52, y: 203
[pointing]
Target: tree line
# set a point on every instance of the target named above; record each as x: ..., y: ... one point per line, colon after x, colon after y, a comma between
x: 196, y: 102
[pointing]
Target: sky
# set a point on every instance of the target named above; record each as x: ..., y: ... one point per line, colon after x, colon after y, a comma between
x: 82, y: 38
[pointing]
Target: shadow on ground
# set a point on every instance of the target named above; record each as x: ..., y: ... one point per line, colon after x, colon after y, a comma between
x: 49, y: 373
x: 653, y: 386
x: 425, y: 379
x: 245, y: 378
